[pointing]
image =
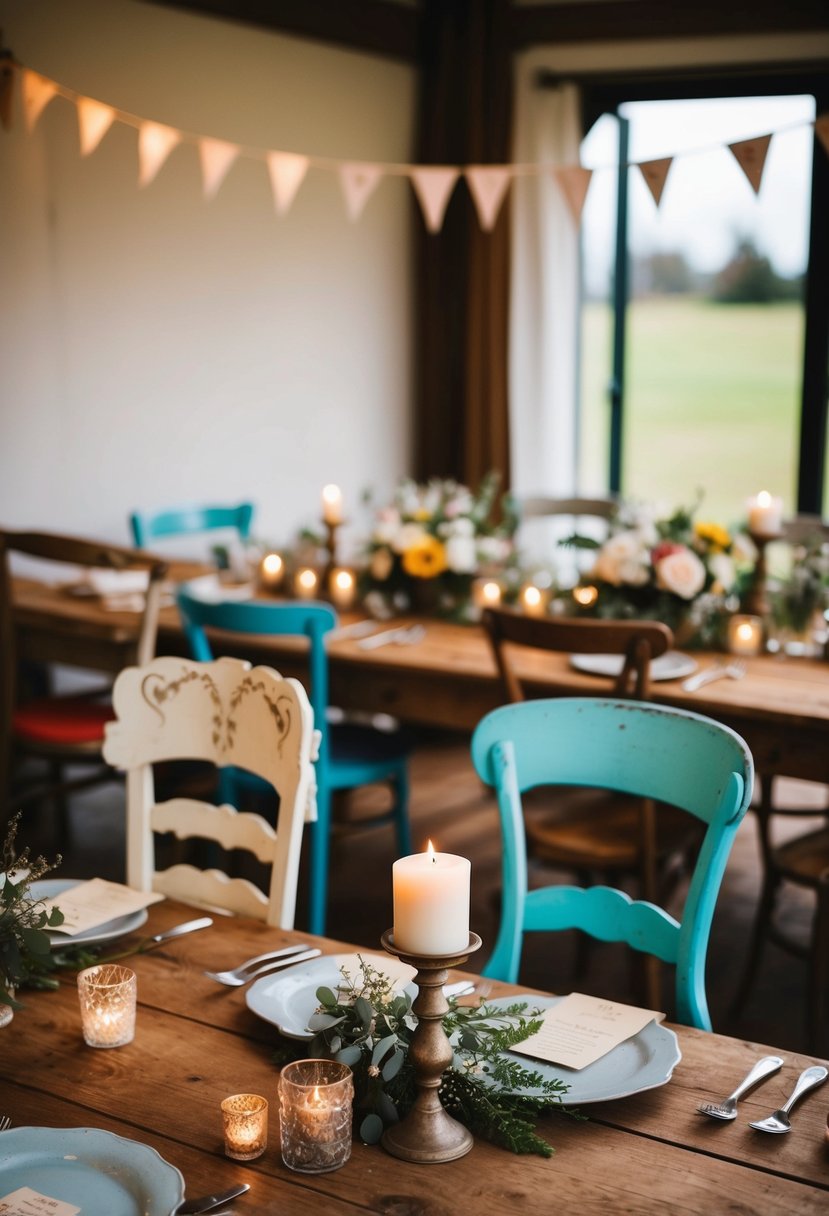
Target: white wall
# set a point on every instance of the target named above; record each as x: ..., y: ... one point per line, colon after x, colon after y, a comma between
x: 156, y: 348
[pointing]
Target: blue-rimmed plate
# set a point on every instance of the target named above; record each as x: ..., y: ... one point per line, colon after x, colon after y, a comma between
x: 645, y: 1061
x: 50, y: 888
x: 98, y: 1172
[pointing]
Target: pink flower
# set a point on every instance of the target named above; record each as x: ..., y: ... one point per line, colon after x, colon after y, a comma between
x: 679, y: 571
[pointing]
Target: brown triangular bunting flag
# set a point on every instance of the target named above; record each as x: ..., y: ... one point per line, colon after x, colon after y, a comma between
x: 655, y: 173
x: 750, y: 155
x: 822, y: 131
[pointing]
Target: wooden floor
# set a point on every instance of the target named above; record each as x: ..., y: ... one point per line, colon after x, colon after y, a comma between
x: 450, y: 806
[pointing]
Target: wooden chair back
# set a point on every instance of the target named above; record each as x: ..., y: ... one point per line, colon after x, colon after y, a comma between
x: 224, y: 713
x: 187, y: 521
x: 652, y: 752
x: 637, y: 642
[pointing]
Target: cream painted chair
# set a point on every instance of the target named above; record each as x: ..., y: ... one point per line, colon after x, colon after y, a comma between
x: 222, y: 712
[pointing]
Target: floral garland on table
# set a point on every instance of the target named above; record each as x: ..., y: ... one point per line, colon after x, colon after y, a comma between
x: 670, y: 569
x: 431, y: 542
x: 369, y: 1026
x: 25, y: 947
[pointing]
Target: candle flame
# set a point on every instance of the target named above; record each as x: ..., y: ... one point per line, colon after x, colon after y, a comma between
x: 430, y: 851
x: 272, y: 563
x: 764, y: 499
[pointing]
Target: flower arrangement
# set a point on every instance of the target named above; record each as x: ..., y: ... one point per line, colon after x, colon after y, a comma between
x: 430, y: 543
x: 25, y: 948
x: 669, y: 569
x: 805, y: 591
x: 369, y: 1026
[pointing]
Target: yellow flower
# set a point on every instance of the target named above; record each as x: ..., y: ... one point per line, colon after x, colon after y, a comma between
x: 426, y: 558
x: 714, y: 534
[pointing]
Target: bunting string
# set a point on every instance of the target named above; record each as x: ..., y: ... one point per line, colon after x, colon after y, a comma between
x: 433, y: 185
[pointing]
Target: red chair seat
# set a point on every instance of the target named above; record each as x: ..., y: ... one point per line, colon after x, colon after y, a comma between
x: 62, y: 720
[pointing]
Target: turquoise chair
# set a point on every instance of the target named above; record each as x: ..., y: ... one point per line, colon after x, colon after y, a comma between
x: 186, y: 521
x: 646, y: 750
x: 350, y: 755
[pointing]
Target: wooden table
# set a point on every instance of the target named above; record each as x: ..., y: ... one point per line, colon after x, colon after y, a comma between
x: 196, y: 1043
x: 781, y: 707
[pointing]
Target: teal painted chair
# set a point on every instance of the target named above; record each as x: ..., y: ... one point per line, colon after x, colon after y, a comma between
x: 350, y: 754
x: 650, y: 751
x: 188, y: 521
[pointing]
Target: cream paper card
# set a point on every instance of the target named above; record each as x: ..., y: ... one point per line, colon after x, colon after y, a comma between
x: 26, y: 1202
x: 580, y: 1029
x: 95, y: 902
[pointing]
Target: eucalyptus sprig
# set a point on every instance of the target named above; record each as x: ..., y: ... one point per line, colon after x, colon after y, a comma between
x: 369, y: 1026
x: 25, y: 946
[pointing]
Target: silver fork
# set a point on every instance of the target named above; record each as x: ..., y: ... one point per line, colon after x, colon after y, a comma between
x: 262, y: 963
x: 727, y: 1109
x: 719, y: 671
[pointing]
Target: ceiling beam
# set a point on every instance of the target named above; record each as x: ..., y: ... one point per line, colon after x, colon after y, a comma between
x: 390, y: 30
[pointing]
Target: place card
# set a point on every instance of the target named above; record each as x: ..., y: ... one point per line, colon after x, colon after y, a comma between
x: 26, y: 1202
x: 95, y: 902
x: 580, y: 1029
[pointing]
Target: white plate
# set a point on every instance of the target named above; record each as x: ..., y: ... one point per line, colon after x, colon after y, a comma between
x: 645, y: 1061
x: 50, y: 888
x: 98, y: 1172
x: 212, y: 590
x: 288, y: 998
x: 671, y: 666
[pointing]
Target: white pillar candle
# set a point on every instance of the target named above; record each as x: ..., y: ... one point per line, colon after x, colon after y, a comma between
x: 431, y: 903
x: 765, y: 515
x: 332, y: 504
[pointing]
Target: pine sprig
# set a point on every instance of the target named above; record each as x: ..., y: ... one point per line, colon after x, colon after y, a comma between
x: 366, y: 1024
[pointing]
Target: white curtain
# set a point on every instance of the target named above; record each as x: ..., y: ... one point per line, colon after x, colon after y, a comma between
x: 544, y: 306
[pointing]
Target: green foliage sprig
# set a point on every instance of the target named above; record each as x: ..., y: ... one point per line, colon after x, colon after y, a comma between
x: 25, y: 946
x: 369, y: 1026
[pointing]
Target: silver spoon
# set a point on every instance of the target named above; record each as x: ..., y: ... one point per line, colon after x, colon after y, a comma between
x: 778, y: 1120
x: 727, y: 1109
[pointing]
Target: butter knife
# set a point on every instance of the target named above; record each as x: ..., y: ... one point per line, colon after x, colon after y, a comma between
x: 205, y: 1203
x: 189, y: 926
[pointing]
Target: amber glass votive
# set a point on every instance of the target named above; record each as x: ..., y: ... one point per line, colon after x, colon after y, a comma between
x: 108, y: 996
x: 745, y: 634
x: 315, y: 1099
x: 245, y: 1122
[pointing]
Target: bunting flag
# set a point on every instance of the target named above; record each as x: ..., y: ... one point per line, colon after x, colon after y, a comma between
x: 155, y: 143
x: 37, y: 93
x: 94, y: 120
x: 433, y: 187
x: 359, y: 180
x: 574, y: 182
x: 655, y: 173
x: 287, y: 172
x: 750, y: 155
x: 433, y: 184
x: 487, y: 184
x: 216, y: 156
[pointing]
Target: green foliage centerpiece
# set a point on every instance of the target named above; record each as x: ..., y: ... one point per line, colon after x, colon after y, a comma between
x: 25, y: 947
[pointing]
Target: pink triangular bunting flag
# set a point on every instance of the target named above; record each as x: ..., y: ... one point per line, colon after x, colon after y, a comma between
x: 155, y: 143
x: 750, y: 155
x: 37, y: 93
x: 822, y: 131
x: 487, y: 184
x: 655, y: 173
x: 574, y: 182
x: 433, y: 187
x: 216, y: 155
x: 358, y: 181
x: 287, y: 172
x: 94, y: 120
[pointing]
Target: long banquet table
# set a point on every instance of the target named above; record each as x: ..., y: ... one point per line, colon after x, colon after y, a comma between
x: 781, y: 707
x: 197, y: 1042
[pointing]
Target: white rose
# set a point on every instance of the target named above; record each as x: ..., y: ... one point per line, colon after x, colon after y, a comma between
x: 722, y: 568
x: 386, y: 525
x: 460, y: 554
x: 494, y: 548
x: 681, y: 573
x: 407, y: 536
x: 457, y: 527
x: 622, y: 559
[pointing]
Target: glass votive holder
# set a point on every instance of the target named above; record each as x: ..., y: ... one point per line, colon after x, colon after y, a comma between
x: 271, y: 571
x: 107, y: 995
x: 745, y: 634
x: 315, y: 1100
x: 306, y: 583
x: 245, y: 1125
x: 342, y: 587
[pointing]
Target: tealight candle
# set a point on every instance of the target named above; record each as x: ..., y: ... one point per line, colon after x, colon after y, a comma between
x: 271, y: 570
x: 332, y: 505
x: 315, y: 1100
x: 765, y: 515
x: 486, y: 593
x: 245, y: 1124
x: 342, y: 587
x: 306, y: 582
x: 534, y: 600
x: 108, y: 998
x: 745, y: 634
x: 585, y: 596
x: 431, y: 903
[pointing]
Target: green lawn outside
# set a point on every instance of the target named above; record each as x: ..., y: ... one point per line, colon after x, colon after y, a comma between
x: 712, y: 402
